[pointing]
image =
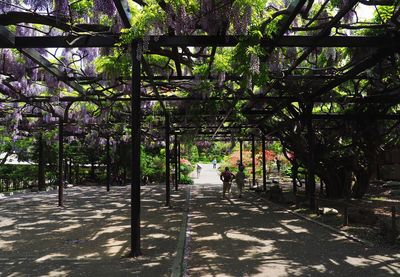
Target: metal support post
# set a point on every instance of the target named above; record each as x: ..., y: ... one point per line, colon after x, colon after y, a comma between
x: 264, y: 164
x: 179, y: 161
x: 41, y: 165
x: 253, y: 159
x: 167, y: 163
x: 60, y: 162
x: 135, y: 185
x: 241, y: 151
x: 311, y: 158
x: 108, y: 162
x: 176, y: 161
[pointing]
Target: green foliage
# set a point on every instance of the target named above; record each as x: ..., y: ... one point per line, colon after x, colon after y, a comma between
x: 276, y: 147
x: 273, y: 27
x: 160, y: 62
x: 223, y: 61
x: 194, y: 154
x: 200, y: 69
x: 191, y: 6
x: 383, y: 14
x: 142, y: 21
x: 186, y: 169
x: 114, y: 66
x: 20, y: 172
x: 82, y: 7
x: 19, y: 176
x: 186, y: 180
x: 153, y: 164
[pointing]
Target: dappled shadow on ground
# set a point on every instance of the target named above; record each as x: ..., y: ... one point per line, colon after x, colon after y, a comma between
x: 89, y: 236
x: 248, y: 237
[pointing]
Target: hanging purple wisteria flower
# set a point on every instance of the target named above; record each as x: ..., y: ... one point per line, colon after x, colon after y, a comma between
x: 105, y: 6
x: 5, y: 5
x: 61, y: 7
x: 39, y: 4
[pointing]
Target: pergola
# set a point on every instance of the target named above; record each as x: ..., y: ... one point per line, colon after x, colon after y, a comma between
x: 221, y: 124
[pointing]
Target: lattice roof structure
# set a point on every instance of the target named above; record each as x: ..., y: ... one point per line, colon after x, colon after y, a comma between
x: 216, y: 69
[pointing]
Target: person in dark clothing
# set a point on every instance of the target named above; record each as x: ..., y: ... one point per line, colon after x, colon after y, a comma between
x: 226, y: 178
x: 278, y: 165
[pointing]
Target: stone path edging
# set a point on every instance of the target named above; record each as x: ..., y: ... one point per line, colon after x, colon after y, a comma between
x: 340, y: 232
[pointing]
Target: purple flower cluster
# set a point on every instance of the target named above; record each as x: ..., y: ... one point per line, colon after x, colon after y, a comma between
x: 5, y: 5
x: 39, y: 4
x: 105, y: 6
x: 61, y: 7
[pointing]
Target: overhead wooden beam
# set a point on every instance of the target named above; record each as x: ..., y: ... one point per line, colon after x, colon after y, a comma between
x: 109, y: 40
x: 360, y: 116
x: 124, y: 12
x: 227, y: 78
x: 293, y: 9
x: 336, y: 116
x: 63, y: 23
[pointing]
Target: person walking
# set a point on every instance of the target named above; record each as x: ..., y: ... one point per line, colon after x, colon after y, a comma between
x: 226, y: 178
x: 198, y: 170
x: 278, y: 165
x: 240, y: 177
x: 214, y: 163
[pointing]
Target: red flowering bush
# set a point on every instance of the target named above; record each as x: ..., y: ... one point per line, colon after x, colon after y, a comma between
x: 186, y: 167
x: 185, y: 161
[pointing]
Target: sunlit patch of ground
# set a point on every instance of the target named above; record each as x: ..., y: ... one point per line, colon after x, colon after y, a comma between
x: 248, y: 237
x: 90, y: 236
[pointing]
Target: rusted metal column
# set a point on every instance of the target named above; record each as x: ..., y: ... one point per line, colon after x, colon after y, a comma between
x: 135, y: 122
x: 60, y: 162
x: 253, y: 159
x: 264, y: 164
x: 176, y: 162
x: 167, y: 163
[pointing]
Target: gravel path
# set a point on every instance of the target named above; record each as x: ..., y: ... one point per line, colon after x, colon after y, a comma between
x: 249, y: 237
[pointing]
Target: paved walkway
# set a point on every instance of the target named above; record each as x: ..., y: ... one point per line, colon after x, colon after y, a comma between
x: 249, y: 237
x: 246, y: 237
x: 90, y: 235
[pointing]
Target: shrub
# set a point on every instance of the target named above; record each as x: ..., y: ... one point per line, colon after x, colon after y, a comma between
x: 186, y: 167
x: 186, y: 180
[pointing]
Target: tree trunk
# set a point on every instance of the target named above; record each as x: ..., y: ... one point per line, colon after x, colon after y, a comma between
x: 362, y: 183
x: 337, y: 182
x: 295, y: 171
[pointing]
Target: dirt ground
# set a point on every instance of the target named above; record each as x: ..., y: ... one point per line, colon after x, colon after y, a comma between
x: 376, y: 206
x: 249, y: 236
x: 225, y: 237
x: 90, y: 236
